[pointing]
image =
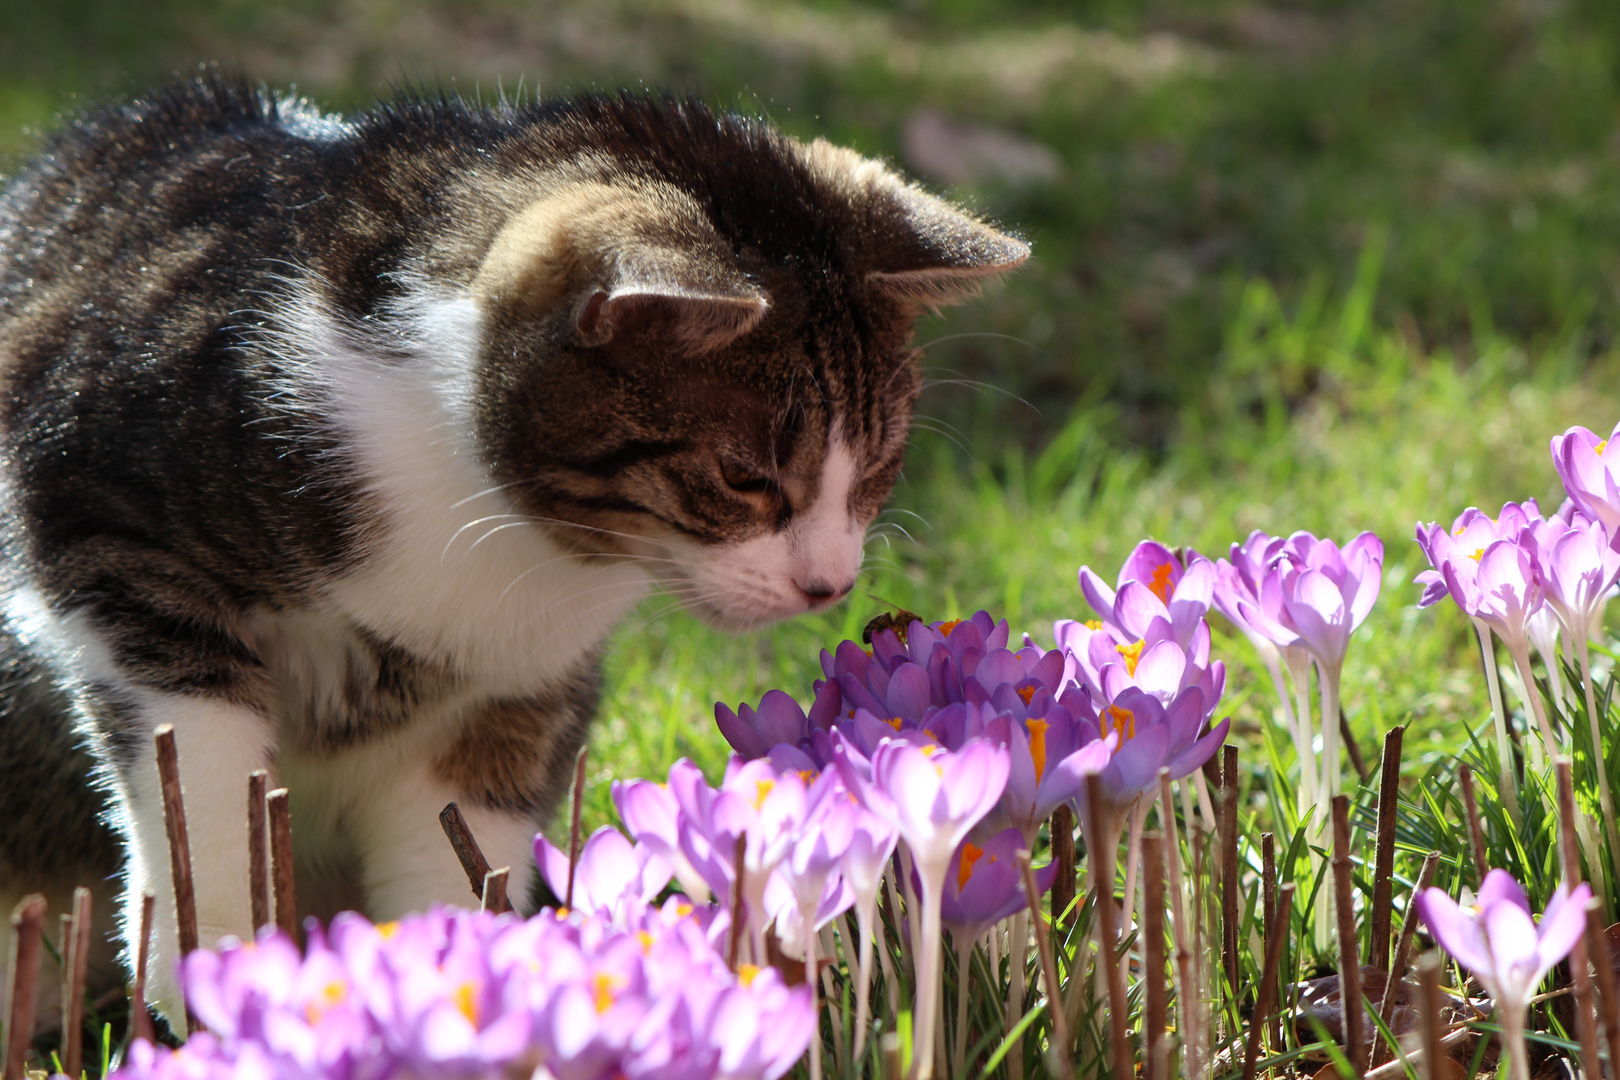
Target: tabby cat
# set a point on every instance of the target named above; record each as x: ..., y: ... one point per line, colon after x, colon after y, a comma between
x: 341, y: 444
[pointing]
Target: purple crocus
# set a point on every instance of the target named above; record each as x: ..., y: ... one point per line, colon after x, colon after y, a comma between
x: 983, y: 885
x: 1589, y: 466
x: 1153, y: 584
x: 649, y: 810
x: 611, y: 874
x: 1507, y: 950
x: 933, y: 797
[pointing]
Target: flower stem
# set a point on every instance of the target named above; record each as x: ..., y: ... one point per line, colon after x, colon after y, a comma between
x: 1512, y: 1019
x: 1604, y: 797
x: 809, y: 918
x: 1505, y: 786
x: 863, y: 980
x: 964, y: 968
x: 926, y: 996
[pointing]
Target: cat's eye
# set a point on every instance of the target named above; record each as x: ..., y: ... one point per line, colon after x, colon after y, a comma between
x: 742, y: 478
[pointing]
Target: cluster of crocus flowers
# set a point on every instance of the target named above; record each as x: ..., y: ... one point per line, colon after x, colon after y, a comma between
x: 1498, y: 939
x: 1536, y: 581
x: 457, y: 994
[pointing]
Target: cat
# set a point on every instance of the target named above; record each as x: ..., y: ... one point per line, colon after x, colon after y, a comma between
x: 342, y: 443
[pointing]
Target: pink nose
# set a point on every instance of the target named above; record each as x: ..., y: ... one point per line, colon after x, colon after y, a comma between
x: 822, y: 592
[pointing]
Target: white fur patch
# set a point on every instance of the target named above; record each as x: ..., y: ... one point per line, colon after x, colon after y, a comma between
x: 768, y: 577
x: 459, y: 574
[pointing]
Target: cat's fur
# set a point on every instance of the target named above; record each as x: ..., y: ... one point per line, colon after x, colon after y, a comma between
x: 341, y: 445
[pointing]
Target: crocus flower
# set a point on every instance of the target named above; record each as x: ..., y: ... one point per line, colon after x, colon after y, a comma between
x: 611, y: 872
x: 1153, y: 584
x: 983, y: 885
x: 1499, y: 941
x: 1142, y: 734
x: 933, y: 797
x: 1590, y: 469
x: 651, y: 814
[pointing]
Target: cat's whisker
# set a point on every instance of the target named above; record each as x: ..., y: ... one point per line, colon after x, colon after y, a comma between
x: 925, y: 346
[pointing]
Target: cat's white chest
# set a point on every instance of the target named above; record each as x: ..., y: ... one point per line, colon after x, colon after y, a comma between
x: 451, y: 571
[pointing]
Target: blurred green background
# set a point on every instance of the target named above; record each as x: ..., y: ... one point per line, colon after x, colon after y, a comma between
x: 1332, y: 265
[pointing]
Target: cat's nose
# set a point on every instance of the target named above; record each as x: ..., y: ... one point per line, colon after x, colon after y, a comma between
x: 822, y: 592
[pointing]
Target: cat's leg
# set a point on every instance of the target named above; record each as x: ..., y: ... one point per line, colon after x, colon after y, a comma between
x: 219, y: 743
x: 508, y: 767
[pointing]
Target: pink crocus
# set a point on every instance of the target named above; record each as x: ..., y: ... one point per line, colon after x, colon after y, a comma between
x: 1153, y: 584
x: 1507, y: 950
x: 1589, y: 466
x: 612, y: 876
x: 933, y: 797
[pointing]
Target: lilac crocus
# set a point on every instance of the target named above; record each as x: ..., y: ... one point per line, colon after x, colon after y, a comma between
x: 983, y: 885
x: 1589, y: 466
x: 1507, y: 950
x: 651, y: 814
x: 1237, y: 586
x: 1153, y: 584
x: 610, y: 876
x: 933, y: 797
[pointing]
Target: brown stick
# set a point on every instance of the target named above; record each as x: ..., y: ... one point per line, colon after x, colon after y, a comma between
x: 27, y: 930
x: 473, y: 863
x: 1119, y: 1048
x: 573, y: 824
x: 1397, y: 970
x: 1229, y: 871
x: 76, y: 963
x: 1352, y: 747
x: 1603, y: 964
x: 1383, y: 899
x: 1428, y: 969
x: 1062, y: 829
x: 1185, y: 981
x: 1268, y: 897
x: 1349, y: 954
x: 1054, y: 998
x: 259, y: 848
x: 1476, y: 834
x: 281, y: 861
x: 1158, y: 986
x: 1580, y: 978
x: 1268, y: 978
x: 738, y: 921
x: 494, y: 898
x: 174, y: 818
x: 139, y: 1016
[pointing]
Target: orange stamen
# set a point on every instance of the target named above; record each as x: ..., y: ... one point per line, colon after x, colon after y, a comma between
x: 946, y: 627
x: 1037, y: 745
x: 1123, y: 721
x: 1160, y: 585
x: 971, y: 854
x: 467, y: 1002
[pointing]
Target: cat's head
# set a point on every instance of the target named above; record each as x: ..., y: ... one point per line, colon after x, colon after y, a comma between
x: 699, y: 348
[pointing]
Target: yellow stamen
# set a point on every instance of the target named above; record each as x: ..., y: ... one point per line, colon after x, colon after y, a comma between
x: 1037, y: 745
x: 1132, y: 653
x: 331, y: 996
x: 971, y: 854
x: 894, y: 723
x: 762, y: 788
x: 388, y: 929
x: 808, y: 776
x: 1115, y: 718
x: 646, y: 940
x: 683, y: 910
x: 1026, y: 692
x: 946, y: 627
x: 467, y: 1002
x: 1160, y: 585
x: 1598, y: 449
x: 1093, y: 625
x: 606, y: 986
x: 746, y: 973
x: 1479, y: 553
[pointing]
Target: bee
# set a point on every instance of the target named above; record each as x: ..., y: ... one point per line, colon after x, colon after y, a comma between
x: 897, y: 621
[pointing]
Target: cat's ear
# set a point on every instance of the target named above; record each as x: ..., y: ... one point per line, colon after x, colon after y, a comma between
x: 622, y: 256
x: 920, y: 247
